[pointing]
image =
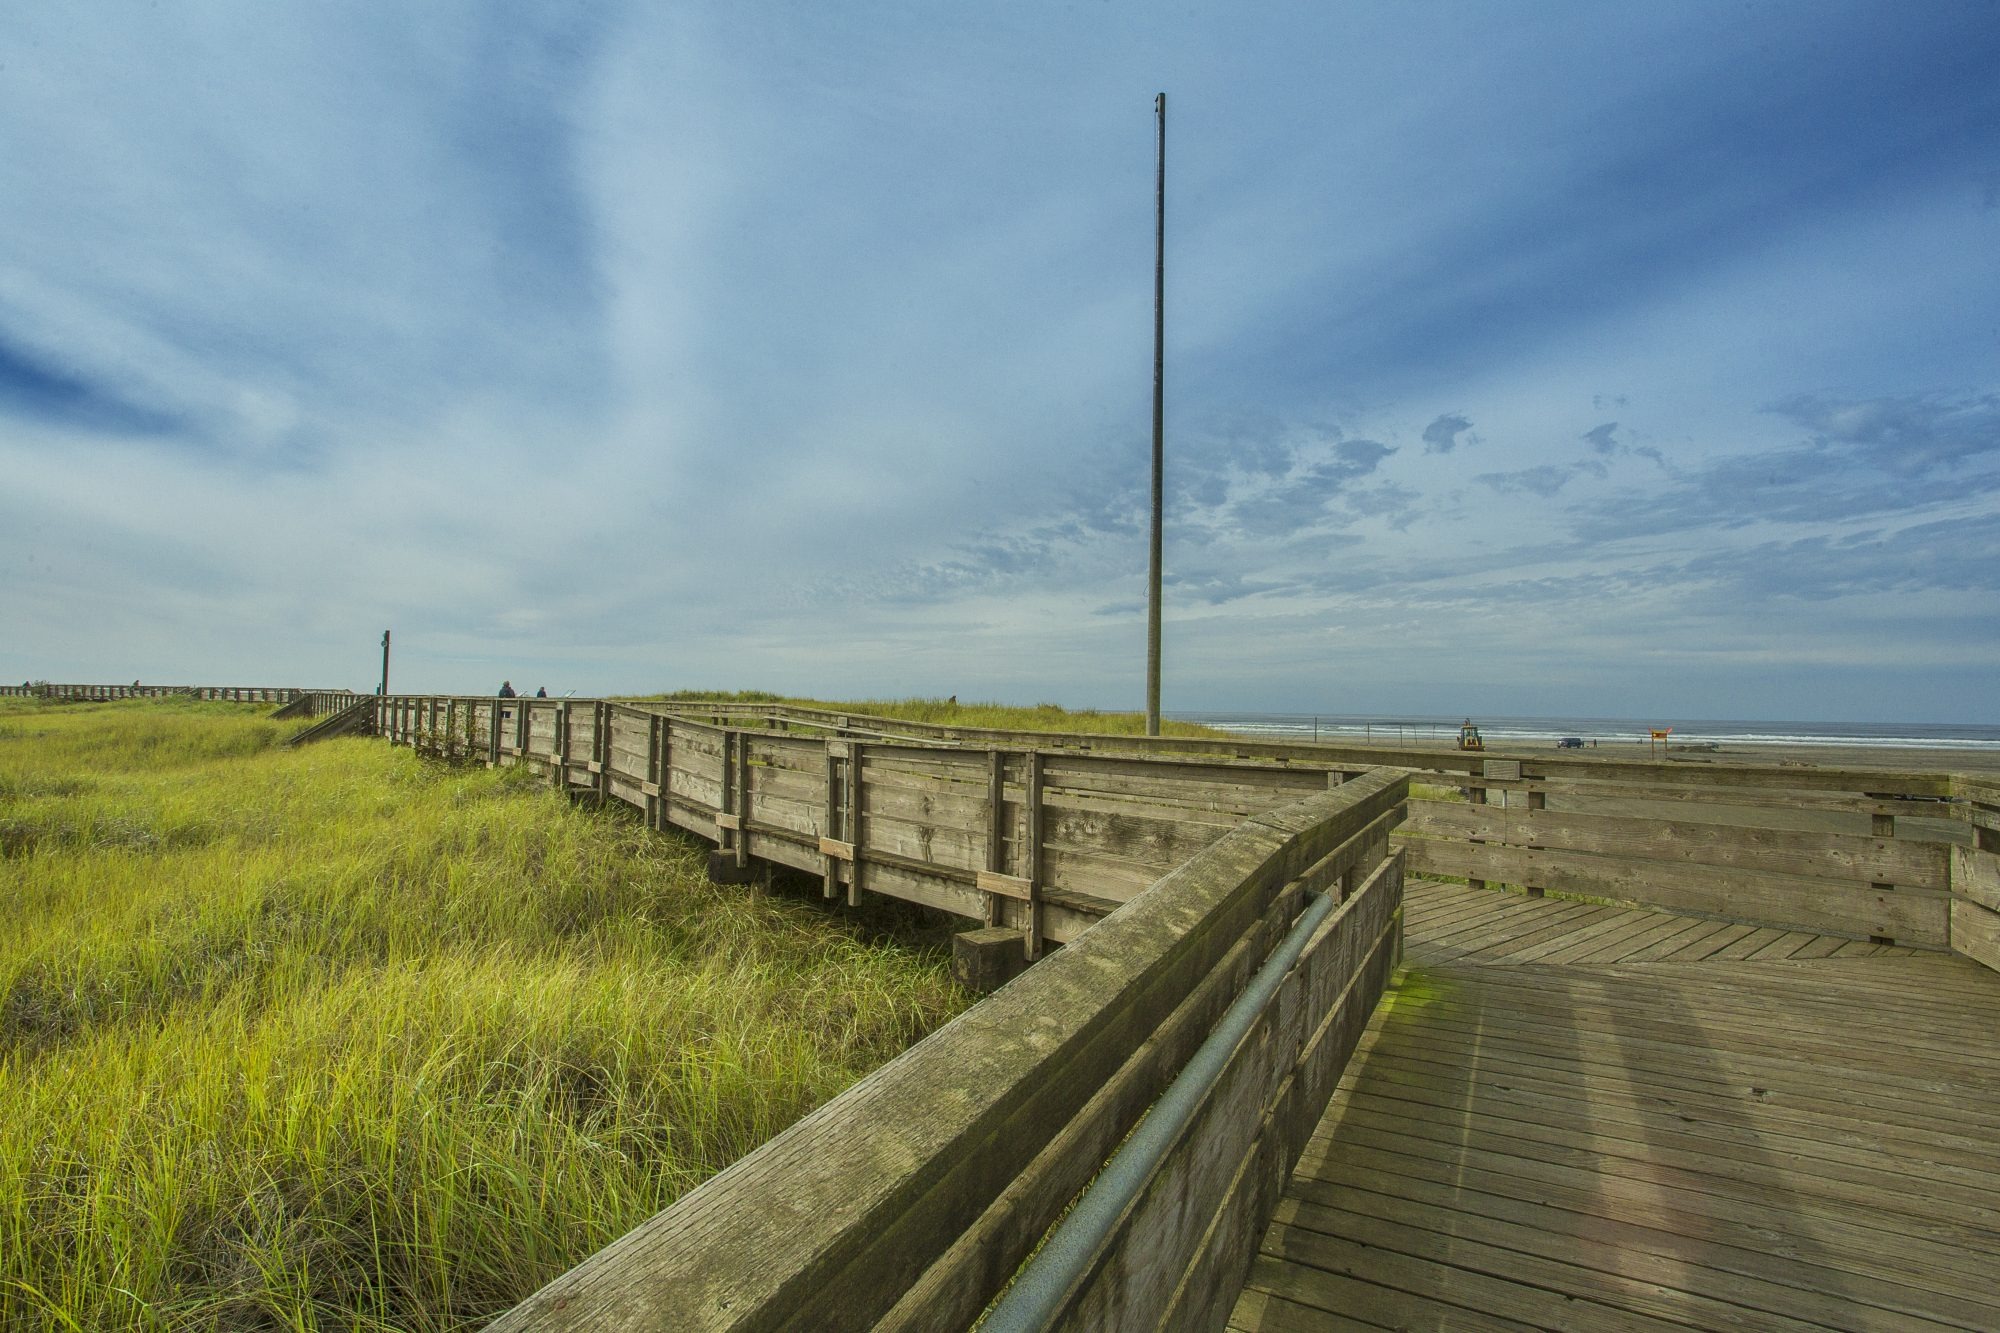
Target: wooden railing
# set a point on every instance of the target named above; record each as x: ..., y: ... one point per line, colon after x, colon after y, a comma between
x: 253, y: 694
x: 909, y: 1201
x: 1857, y: 852
x: 1045, y: 833
x: 1832, y: 851
x: 1044, y: 843
x: 1975, y: 875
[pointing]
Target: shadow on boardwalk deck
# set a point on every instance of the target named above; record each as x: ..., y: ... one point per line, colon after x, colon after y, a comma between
x: 1579, y: 1117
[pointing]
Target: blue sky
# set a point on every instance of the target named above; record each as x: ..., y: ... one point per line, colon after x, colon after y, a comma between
x: 1522, y: 358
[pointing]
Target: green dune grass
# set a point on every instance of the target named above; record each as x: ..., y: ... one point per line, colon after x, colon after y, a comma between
x: 340, y: 1038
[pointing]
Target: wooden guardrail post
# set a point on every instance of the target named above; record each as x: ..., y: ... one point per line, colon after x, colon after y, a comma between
x: 1032, y: 862
x: 855, y: 826
x: 654, y: 788
x: 600, y: 743
x: 996, y: 827
x: 1537, y: 800
x: 830, y: 825
x: 742, y: 800
x: 1477, y: 796
x: 1882, y: 826
x: 561, y: 770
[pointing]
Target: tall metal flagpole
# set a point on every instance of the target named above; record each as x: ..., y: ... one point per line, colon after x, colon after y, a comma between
x: 1159, y: 428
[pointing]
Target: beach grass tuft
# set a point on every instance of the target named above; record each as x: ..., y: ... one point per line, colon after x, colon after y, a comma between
x: 344, y: 1038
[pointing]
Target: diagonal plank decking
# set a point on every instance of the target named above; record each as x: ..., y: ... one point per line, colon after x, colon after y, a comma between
x: 1580, y: 1117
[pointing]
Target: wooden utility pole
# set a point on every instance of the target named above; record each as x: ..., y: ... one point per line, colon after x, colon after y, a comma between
x: 385, y: 664
x: 1159, y: 426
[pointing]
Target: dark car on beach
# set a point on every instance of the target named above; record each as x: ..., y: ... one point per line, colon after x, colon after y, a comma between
x: 1570, y: 743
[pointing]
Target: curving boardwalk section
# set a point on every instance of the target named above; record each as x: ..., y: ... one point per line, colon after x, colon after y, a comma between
x: 1581, y: 1117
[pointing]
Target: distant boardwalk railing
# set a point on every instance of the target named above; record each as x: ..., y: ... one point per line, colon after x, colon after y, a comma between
x: 249, y: 694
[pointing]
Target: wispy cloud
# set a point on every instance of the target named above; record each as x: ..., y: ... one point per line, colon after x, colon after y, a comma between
x: 1441, y: 436
x: 652, y: 345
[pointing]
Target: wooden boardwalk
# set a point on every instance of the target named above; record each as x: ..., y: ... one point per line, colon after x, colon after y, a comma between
x: 1580, y: 1117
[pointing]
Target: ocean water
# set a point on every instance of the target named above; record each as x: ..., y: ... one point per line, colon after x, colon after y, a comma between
x: 1501, y: 731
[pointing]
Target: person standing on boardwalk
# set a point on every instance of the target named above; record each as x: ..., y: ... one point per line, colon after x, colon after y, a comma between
x: 541, y: 691
x: 506, y: 689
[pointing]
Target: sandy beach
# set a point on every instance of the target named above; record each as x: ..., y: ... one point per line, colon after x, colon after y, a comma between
x: 1925, y: 759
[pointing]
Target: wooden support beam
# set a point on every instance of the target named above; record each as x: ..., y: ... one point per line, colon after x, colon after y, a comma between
x: 1006, y: 886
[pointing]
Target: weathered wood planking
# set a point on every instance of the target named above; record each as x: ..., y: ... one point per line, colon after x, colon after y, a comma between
x: 1802, y: 1144
x: 832, y: 1222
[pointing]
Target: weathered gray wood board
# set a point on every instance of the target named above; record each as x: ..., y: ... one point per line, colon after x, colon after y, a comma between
x: 1975, y: 876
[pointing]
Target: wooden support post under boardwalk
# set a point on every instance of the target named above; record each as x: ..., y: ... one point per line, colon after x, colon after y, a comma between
x: 986, y: 959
